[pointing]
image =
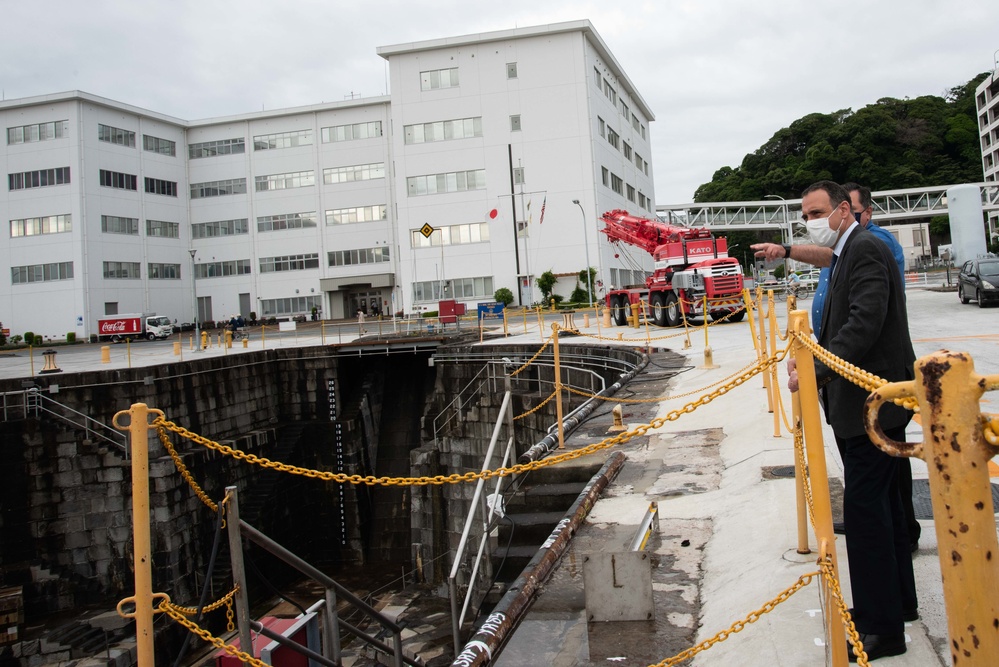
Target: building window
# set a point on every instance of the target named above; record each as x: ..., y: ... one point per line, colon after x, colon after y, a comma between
x: 645, y: 167
x: 118, y: 180
x: 362, y: 256
x: 25, y: 180
x: 459, y: 288
x: 345, y: 216
x: 274, y: 223
x: 596, y: 77
x: 442, y: 130
x: 233, y: 186
x: 473, y: 232
x: 208, y: 230
x: 612, y: 138
x: 157, y: 145
x: 617, y: 185
x: 50, y: 224
x: 638, y: 161
x: 634, y: 122
x: 290, y: 306
x: 626, y: 149
x: 350, y: 132
x: 610, y: 93
x: 237, y: 267
x: 289, y: 263
x: 213, y: 148
x: 601, y: 127
x: 123, y: 270
x: 113, y: 224
x: 115, y: 135
x: 625, y: 111
x: 439, y: 78
x: 518, y: 175
x: 631, y: 193
x: 266, y: 142
x: 455, y: 181
x: 643, y: 201
x: 515, y: 123
x: 511, y: 70
x: 605, y: 176
x: 164, y: 271
x: 297, y: 179
x: 156, y: 186
x: 357, y: 172
x: 642, y: 129
x: 26, y: 134
x: 38, y: 273
x: 163, y: 229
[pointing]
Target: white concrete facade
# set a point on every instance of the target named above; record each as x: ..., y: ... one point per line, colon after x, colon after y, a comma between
x: 320, y: 206
x: 987, y: 105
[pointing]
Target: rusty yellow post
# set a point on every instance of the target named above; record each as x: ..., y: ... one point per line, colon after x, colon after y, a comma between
x: 128, y: 351
x: 558, y: 388
x: 552, y: 301
x: 541, y: 323
x: 322, y: 332
x: 635, y: 321
x: 642, y: 309
x: 524, y: 311
x: 709, y: 360
x: 957, y: 454
x: 138, y: 429
x: 506, y: 326
x: 752, y: 319
x: 680, y: 303
x: 808, y: 395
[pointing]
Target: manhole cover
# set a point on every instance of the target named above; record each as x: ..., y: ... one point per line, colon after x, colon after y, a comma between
x: 923, y: 508
x: 778, y: 472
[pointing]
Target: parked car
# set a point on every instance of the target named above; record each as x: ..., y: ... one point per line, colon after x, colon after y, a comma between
x: 809, y: 280
x: 979, y: 280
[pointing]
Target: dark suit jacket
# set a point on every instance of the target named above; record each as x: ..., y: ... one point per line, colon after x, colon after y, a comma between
x: 864, y: 322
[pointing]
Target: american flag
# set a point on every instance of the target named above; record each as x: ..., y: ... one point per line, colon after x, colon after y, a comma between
x: 542, y: 218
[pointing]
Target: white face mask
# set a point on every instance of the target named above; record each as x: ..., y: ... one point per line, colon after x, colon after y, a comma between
x: 821, y: 234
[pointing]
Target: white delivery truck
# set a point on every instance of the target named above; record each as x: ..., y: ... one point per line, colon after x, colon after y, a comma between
x: 116, y: 328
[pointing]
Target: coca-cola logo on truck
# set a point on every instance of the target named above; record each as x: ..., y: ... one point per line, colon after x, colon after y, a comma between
x: 119, y: 326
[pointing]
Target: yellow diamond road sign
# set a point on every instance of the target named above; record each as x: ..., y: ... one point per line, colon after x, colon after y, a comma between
x: 426, y: 230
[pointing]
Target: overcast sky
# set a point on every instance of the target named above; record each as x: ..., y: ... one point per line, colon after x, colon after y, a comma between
x: 721, y: 76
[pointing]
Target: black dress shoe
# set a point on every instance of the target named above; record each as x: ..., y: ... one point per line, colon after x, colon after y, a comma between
x: 878, y: 646
x: 839, y: 527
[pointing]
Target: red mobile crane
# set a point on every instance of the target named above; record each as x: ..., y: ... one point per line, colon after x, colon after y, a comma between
x: 690, y: 263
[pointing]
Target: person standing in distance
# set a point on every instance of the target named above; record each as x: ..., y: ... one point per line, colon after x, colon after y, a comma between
x: 865, y: 323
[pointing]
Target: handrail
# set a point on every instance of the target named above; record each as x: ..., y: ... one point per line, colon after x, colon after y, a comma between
x: 456, y: 409
x: 314, y: 573
x: 33, y: 401
x: 456, y: 618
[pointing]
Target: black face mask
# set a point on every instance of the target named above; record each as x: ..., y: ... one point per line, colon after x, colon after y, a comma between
x: 857, y: 216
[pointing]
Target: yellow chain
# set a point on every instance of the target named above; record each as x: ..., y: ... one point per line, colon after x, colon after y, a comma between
x: 851, y: 630
x: 799, y: 451
x: 538, y: 406
x: 230, y: 616
x: 544, y: 346
x: 471, y: 476
x: 191, y: 611
x: 854, y: 374
x: 171, y: 611
x: 738, y: 626
x: 198, y: 491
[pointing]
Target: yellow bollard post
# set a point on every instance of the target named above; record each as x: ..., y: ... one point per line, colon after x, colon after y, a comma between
x: 558, y: 387
x: 635, y: 322
x: 553, y: 305
x: 683, y: 316
x: 799, y: 480
x: 246, y: 342
x: 128, y: 351
x: 524, y: 311
x: 954, y: 445
x: 138, y: 429
x: 228, y: 340
x: 322, y: 333
x: 763, y: 354
x: 192, y: 341
x: 586, y: 320
x: 752, y: 321
x: 105, y: 354
x: 709, y: 361
x: 506, y: 327
x: 541, y: 323
x: 204, y: 340
x: 808, y: 394
x: 176, y: 348
x: 774, y: 384
x: 606, y: 318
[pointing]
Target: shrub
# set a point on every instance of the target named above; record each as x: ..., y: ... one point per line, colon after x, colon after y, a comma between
x: 29, y: 338
x: 3, y: 339
x: 430, y: 313
x: 71, y: 337
x: 504, y: 296
x: 15, y: 339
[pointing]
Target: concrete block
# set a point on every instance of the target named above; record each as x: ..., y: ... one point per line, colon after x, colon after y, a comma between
x: 111, y: 475
x: 66, y: 449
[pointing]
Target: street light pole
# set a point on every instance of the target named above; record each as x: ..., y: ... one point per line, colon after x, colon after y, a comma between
x: 787, y: 223
x: 586, y: 244
x: 194, y: 295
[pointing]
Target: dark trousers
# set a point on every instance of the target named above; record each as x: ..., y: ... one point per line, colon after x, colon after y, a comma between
x: 877, y: 538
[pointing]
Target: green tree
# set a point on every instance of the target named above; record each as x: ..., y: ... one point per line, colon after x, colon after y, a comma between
x: 546, y: 285
x: 504, y: 296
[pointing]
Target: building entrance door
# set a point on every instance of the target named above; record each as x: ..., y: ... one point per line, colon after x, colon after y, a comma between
x: 368, y: 302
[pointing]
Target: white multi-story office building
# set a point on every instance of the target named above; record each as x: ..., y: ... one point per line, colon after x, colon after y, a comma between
x: 987, y: 103
x: 460, y: 182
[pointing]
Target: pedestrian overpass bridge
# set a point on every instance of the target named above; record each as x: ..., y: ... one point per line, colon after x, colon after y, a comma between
x: 777, y: 213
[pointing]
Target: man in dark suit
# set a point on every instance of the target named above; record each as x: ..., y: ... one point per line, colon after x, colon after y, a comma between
x: 864, y: 321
